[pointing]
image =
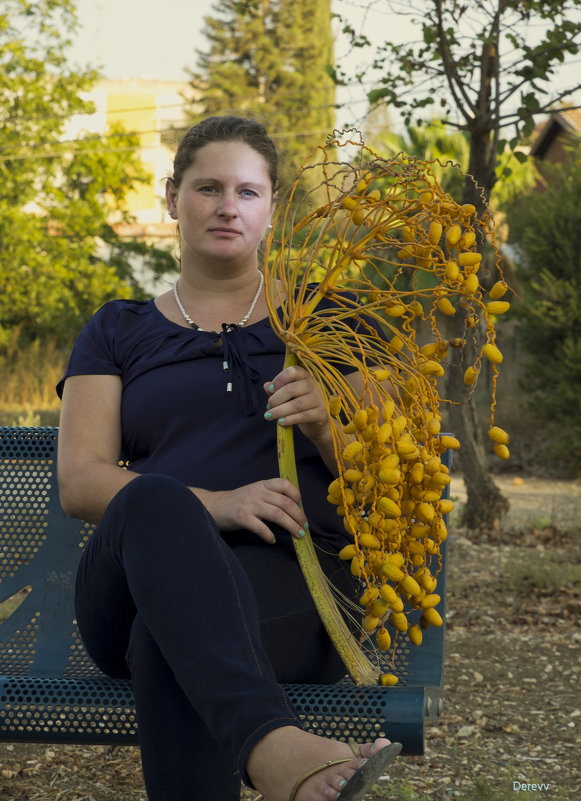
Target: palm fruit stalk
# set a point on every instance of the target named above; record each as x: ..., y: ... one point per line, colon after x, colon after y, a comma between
x: 396, y: 256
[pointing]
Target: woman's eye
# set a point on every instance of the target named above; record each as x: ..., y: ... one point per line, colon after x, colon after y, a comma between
x: 249, y: 193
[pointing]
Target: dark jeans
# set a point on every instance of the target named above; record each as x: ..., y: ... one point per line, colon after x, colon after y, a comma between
x: 207, y: 626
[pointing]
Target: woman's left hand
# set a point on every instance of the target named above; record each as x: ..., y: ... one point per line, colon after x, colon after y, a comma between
x: 294, y: 399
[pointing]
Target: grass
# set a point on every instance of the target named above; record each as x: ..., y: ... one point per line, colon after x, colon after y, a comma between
x: 27, y: 391
x: 528, y: 569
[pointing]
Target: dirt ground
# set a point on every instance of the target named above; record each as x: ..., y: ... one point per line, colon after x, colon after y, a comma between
x: 511, y: 726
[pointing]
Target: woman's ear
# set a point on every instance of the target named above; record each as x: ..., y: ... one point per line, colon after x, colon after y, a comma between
x: 171, y: 196
x: 272, y: 210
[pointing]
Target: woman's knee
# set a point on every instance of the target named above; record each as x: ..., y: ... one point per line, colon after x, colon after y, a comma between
x: 161, y: 506
x: 152, y: 488
x: 152, y: 496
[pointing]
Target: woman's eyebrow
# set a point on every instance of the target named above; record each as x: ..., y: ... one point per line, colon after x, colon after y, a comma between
x: 250, y: 183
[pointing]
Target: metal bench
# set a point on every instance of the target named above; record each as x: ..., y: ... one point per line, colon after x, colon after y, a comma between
x: 50, y: 691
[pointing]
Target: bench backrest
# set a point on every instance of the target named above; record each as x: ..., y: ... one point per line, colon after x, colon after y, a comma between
x: 41, y: 651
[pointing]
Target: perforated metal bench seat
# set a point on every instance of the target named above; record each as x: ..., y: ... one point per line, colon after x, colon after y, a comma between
x: 50, y: 691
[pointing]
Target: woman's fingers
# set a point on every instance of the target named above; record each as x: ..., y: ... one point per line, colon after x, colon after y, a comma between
x: 280, y: 505
x: 255, y: 505
x: 294, y: 398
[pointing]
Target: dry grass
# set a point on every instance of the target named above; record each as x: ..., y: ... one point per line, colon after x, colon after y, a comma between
x: 29, y: 377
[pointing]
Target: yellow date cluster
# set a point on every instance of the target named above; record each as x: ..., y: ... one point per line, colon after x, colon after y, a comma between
x: 389, y: 494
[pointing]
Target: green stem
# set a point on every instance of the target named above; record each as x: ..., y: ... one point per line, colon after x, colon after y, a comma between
x: 348, y: 648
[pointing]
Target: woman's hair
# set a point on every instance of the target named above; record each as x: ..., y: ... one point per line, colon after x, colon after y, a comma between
x: 226, y: 129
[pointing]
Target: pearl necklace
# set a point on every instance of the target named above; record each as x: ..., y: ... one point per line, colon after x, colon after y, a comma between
x: 242, y: 322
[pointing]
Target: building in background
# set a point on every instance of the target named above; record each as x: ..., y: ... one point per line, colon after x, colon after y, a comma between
x: 155, y: 111
x: 557, y: 136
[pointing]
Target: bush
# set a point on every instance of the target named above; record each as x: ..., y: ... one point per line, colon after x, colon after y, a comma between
x: 545, y: 228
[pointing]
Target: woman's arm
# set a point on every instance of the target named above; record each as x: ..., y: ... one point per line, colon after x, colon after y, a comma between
x: 89, y: 445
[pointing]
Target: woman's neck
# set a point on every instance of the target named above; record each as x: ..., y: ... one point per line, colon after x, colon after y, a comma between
x: 217, y: 283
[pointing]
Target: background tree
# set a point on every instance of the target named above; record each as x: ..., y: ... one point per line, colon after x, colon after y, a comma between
x: 491, y: 67
x: 437, y: 140
x: 60, y: 256
x: 270, y: 59
x: 434, y: 140
x: 545, y: 227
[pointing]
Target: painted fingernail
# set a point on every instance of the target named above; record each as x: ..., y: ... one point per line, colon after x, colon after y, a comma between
x: 271, y: 388
x: 268, y: 405
x: 273, y: 541
x: 281, y: 421
x: 301, y: 533
x: 373, y: 746
x: 267, y: 415
x: 342, y: 783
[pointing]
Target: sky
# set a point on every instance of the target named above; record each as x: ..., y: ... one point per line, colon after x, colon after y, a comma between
x: 140, y: 38
x: 157, y: 39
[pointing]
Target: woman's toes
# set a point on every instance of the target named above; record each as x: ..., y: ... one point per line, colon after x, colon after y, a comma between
x: 369, y: 750
x: 339, y: 781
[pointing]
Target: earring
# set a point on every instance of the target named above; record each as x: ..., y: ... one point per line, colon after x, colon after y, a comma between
x: 270, y: 226
x: 173, y: 214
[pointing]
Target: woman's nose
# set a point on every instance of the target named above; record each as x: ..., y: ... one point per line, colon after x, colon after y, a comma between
x: 227, y: 206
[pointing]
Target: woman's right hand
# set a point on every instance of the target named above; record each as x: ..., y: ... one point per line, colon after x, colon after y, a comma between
x: 252, y: 506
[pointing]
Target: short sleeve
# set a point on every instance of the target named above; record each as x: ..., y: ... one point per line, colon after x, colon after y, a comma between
x: 93, y: 351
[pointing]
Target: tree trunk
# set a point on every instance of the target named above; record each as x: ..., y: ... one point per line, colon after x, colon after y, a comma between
x: 486, y: 505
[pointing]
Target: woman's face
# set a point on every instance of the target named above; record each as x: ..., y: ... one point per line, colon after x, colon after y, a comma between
x: 223, y: 204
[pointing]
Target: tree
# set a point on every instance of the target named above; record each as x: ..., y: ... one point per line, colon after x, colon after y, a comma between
x: 60, y: 256
x: 491, y: 66
x: 270, y: 59
x: 433, y: 141
x: 545, y: 227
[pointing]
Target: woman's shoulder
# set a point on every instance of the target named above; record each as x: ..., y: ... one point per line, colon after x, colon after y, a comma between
x: 114, y: 308
x: 115, y: 312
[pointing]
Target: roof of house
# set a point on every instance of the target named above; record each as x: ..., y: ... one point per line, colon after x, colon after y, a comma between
x: 558, y: 123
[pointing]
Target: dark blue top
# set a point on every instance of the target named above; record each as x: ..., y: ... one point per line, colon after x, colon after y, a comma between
x: 178, y: 417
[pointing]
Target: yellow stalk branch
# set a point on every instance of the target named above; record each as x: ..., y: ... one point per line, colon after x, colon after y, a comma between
x: 348, y: 648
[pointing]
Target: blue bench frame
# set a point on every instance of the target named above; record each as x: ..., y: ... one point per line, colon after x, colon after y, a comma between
x: 50, y: 691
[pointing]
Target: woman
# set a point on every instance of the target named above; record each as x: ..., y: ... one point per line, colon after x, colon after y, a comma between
x: 190, y: 584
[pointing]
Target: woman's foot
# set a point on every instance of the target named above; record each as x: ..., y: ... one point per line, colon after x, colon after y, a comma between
x: 279, y: 760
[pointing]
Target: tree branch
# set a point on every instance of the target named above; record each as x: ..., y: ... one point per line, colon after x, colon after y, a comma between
x: 508, y: 119
x: 453, y: 79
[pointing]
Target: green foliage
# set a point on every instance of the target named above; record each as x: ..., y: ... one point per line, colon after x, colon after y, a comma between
x: 434, y: 140
x: 60, y: 257
x: 264, y: 61
x: 546, y: 226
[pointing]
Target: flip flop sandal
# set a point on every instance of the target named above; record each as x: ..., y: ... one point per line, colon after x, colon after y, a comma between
x: 363, y: 779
